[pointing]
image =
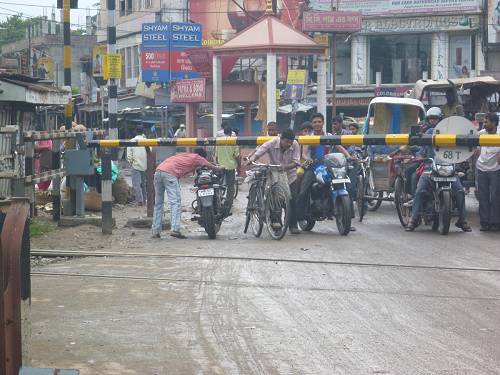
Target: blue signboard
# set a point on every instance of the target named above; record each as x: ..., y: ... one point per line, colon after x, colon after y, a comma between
x: 163, y: 45
x: 182, y: 36
x: 155, y: 52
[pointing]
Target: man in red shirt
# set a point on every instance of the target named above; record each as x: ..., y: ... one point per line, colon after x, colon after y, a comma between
x: 166, y: 179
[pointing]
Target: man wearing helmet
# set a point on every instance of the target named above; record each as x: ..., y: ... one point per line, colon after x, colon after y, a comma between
x: 424, y: 183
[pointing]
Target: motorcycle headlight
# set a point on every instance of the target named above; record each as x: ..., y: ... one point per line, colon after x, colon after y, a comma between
x: 445, y: 170
x: 339, y: 172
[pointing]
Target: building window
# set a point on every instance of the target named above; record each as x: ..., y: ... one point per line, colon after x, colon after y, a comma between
x: 128, y: 61
x: 400, y: 58
x: 343, y: 61
x: 122, y: 8
x: 148, y: 4
x: 126, y: 7
x: 135, y: 55
x: 123, y: 80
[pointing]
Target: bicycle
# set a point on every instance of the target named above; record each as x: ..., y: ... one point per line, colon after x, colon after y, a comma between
x: 268, y: 203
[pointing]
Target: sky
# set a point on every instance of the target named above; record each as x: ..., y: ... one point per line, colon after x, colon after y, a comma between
x: 42, y: 7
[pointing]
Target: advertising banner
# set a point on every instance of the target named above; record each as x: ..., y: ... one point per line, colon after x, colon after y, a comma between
x: 183, y: 36
x: 155, y: 56
x: 296, y: 84
x: 45, y: 68
x: 493, y: 21
x: 188, y: 91
x: 332, y: 21
x: 98, y: 53
x: 387, y: 7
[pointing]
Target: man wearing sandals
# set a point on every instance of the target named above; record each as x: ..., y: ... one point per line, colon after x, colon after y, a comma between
x: 166, y: 180
x: 284, y: 151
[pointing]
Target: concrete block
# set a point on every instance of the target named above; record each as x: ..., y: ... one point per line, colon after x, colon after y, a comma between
x: 145, y: 223
x: 46, y: 371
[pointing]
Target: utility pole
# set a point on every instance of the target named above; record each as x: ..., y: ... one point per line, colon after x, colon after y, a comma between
x: 112, y: 84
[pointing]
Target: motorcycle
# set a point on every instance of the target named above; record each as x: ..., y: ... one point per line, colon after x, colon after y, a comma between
x: 210, y: 201
x: 439, y: 204
x: 329, y: 197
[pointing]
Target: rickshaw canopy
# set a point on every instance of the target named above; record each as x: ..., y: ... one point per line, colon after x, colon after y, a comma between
x: 393, y: 115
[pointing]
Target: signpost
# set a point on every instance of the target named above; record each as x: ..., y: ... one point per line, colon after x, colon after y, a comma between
x: 295, y: 89
x: 332, y: 22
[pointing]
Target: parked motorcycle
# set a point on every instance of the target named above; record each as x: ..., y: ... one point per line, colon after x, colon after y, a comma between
x: 209, y: 204
x: 439, y: 205
x: 329, y: 197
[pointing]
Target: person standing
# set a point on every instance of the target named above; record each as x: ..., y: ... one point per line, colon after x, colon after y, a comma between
x: 181, y: 132
x: 284, y: 151
x: 488, y: 179
x: 228, y: 157
x: 166, y: 179
x: 137, y: 158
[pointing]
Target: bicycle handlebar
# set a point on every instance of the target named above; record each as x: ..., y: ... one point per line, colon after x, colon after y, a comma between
x: 266, y: 165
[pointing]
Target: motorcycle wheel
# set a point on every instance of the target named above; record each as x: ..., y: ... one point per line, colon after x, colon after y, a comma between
x: 400, y: 198
x: 208, y: 218
x: 445, y: 213
x: 307, y: 225
x: 277, y: 203
x: 360, y: 198
x: 343, y: 214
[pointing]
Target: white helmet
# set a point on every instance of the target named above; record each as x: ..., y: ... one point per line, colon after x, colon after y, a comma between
x: 434, y: 112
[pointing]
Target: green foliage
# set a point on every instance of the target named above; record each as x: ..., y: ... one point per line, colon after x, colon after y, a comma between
x: 39, y: 228
x: 75, y: 90
x: 13, y: 29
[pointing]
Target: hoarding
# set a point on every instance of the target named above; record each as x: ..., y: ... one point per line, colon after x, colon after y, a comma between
x: 387, y: 8
x: 98, y: 53
x: 493, y: 21
x: 45, y: 68
x: 222, y: 18
x: 296, y: 84
x: 188, y: 91
x: 155, y: 56
x: 332, y: 21
x: 183, y: 36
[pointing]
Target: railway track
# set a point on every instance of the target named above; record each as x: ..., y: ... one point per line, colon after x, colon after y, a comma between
x: 102, y: 254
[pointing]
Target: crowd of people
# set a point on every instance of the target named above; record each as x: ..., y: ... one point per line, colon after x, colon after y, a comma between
x: 298, y: 163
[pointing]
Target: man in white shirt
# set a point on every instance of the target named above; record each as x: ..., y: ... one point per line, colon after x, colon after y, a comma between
x: 181, y: 132
x: 488, y: 179
x: 137, y: 157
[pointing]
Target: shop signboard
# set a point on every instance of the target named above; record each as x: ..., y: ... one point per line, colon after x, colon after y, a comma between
x: 321, y: 5
x: 155, y: 56
x: 394, y: 91
x: 399, y: 8
x: 493, y: 21
x: 296, y: 84
x: 348, y: 22
x: 183, y: 36
x: 449, y: 22
x: 188, y: 91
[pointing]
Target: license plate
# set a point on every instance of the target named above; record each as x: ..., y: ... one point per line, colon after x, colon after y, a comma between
x: 444, y: 179
x: 205, y: 192
x: 341, y: 181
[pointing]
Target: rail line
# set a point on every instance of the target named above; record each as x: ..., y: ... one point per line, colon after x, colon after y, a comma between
x: 85, y: 254
x: 263, y: 286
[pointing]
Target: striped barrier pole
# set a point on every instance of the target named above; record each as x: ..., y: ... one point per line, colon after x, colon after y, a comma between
x: 112, y: 84
x: 56, y: 182
x: 438, y: 140
x: 106, y: 193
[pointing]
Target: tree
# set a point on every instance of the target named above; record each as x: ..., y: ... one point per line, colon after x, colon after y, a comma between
x: 13, y: 29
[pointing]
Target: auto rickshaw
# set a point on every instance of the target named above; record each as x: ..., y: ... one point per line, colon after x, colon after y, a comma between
x: 380, y: 164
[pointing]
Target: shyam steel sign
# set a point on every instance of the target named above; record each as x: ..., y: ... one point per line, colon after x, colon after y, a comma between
x: 188, y: 91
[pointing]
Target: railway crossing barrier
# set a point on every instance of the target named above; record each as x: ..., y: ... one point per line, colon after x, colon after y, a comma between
x: 437, y: 140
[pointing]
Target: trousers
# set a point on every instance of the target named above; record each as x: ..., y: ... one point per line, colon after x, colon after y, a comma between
x: 165, y: 182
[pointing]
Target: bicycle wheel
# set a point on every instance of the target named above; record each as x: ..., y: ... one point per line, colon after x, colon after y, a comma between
x: 401, y: 200
x: 277, y: 211
x: 360, y: 198
x: 254, y: 210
